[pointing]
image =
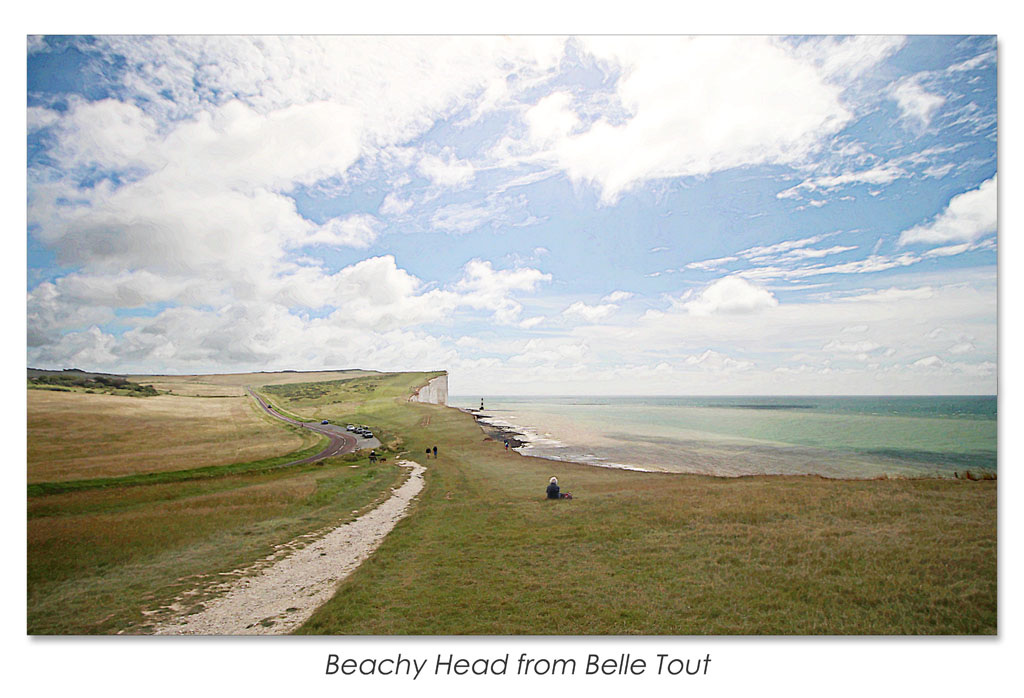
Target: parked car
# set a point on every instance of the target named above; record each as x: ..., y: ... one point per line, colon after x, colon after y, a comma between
x: 325, y: 422
x: 350, y: 427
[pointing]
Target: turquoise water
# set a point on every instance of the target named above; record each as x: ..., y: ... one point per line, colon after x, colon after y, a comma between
x: 830, y: 436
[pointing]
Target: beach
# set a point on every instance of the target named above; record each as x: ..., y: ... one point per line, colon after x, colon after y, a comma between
x: 838, y: 437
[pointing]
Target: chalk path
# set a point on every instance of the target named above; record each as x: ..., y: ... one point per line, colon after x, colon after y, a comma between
x: 282, y: 596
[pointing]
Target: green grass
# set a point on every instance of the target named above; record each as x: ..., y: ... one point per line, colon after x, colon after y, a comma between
x: 97, y: 559
x: 482, y: 551
x: 642, y: 553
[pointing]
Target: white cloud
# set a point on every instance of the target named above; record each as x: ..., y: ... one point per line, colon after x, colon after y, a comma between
x: 394, y: 205
x: 731, y: 295
x: 464, y: 218
x: 891, y: 295
x: 861, y: 347
x: 878, y: 175
x: 89, y: 348
x: 399, y: 84
x: 617, y: 297
x: 707, y: 88
x: 589, y: 313
x: 446, y: 170
x: 982, y: 59
x: 948, y: 250
x: 850, y: 57
x: 916, y: 104
x: 711, y: 264
x: 483, y: 287
x: 551, y: 353
x: 967, y: 217
x: 764, y: 252
x: 207, y: 144
x: 871, y: 264
x: 815, y: 253
x: 716, y: 361
x: 354, y: 231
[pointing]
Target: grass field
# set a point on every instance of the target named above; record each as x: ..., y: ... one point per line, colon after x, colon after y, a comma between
x: 484, y: 553
x: 232, y: 384
x: 73, y: 436
x: 98, y: 559
x: 164, y: 499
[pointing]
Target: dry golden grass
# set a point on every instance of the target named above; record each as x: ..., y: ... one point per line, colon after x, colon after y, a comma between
x: 193, y: 387
x: 75, y: 436
x: 234, y: 383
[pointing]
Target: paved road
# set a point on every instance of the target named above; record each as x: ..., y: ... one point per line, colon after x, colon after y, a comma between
x: 341, y: 441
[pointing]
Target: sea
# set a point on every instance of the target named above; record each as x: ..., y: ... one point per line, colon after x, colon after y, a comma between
x: 831, y: 436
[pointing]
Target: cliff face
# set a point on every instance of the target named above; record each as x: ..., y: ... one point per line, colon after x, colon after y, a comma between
x: 435, y: 392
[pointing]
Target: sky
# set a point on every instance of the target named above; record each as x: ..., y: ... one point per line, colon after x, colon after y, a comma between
x: 535, y: 215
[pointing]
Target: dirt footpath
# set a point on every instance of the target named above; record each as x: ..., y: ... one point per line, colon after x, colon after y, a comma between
x: 282, y: 596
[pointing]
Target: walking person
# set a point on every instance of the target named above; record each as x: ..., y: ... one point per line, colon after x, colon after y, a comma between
x: 435, y: 452
x: 428, y: 451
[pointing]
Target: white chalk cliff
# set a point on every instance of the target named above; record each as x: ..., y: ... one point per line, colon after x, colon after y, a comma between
x: 434, y: 392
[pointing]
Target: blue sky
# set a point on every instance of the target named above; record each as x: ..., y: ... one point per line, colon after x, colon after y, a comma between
x: 620, y: 215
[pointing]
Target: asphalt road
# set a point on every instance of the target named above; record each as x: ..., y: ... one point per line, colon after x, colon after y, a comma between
x: 341, y: 441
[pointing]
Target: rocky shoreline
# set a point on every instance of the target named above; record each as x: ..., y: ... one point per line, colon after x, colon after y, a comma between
x: 515, y: 438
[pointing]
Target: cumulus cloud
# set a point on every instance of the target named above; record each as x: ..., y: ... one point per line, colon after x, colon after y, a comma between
x: 373, y: 295
x: 928, y: 362
x: 703, y: 87
x: 589, y: 313
x: 179, y: 208
x: 190, y: 173
x: 731, y: 295
x: 487, y: 288
x: 967, y: 217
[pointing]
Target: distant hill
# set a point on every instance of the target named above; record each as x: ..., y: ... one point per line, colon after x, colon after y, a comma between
x: 71, y: 378
x: 76, y: 372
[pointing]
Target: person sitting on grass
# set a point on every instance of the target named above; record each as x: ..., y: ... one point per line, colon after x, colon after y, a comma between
x: 554, y: 492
